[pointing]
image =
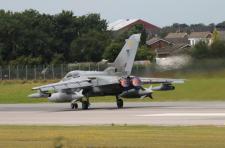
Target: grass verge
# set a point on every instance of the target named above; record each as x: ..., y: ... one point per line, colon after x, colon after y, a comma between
x: 194, y: 89
x: 112, y: 136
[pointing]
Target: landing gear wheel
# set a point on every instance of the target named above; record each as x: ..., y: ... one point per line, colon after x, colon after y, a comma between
x: 85, y: 105
x: 119, y: 103
x: 74, y: 106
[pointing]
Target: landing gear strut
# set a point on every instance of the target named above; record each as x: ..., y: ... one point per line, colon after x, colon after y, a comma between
x: 85, y: 103
x: 74, y: 105
x: 119, y: 102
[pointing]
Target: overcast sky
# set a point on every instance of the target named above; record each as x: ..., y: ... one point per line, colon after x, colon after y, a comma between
x: 158, y: 12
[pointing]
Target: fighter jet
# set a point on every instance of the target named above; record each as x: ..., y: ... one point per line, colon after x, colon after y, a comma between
x: 116, y: 80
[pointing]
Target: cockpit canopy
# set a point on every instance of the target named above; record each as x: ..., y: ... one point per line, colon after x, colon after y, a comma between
x: 72, y: 74
x: 79, y: 73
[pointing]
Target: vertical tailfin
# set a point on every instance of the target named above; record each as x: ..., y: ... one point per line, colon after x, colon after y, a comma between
x: 125, y: 60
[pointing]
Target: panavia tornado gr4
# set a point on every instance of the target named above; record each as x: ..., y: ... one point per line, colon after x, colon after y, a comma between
x: 116, y: 80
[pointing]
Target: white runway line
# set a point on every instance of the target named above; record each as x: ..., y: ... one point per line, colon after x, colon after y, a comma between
x: 184, y: 115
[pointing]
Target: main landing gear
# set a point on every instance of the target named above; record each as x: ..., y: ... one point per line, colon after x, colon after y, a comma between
x: 74, y: 106
x: 119, y: 102
x: 85, y: 105
x: 84, y: 101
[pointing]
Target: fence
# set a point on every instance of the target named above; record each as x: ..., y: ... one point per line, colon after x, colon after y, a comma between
x: 42, y: 72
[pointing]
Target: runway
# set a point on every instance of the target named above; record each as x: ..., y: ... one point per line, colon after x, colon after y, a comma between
x: 151, y: 113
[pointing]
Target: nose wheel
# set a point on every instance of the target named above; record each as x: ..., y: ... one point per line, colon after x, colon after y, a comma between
x: 84, y: 103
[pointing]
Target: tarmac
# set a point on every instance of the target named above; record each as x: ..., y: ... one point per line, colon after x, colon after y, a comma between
x: 149, y: 113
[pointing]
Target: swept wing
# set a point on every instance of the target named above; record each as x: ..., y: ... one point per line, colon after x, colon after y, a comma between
x: 78, y: 83
x: 161, y: 80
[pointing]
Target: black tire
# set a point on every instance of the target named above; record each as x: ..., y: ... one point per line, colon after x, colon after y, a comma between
x: 85, y: 105
x: 74, y: 106
x: 119, y: 103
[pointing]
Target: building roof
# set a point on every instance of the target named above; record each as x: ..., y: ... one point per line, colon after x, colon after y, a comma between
x: 200, y: 35
x: 173, y: 49
x: 156, y: 39
x: 176, y: 35
x: 177, y: 38
x: 122, y: 23
x: 119, y: 24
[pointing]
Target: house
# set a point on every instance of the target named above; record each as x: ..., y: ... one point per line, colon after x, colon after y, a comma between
x: 177, y: 38
x: 123, y: 25
x: 157, y: 43
x: 172, y: 50
x: 173, y: 43
x: 196, y: 37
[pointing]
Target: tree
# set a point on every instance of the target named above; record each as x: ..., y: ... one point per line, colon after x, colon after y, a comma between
x: 31, y: 37
x: 89, y: 47
x: 144, y: 53
x: 216, y: 36
x: 221, y: 25
x: 92, y: 22
x: 201, y: 50
x: 217, y: 49
x: 139, y: 29
x: 176, y: 27
x: 116, y: 45
x: 112, y: 51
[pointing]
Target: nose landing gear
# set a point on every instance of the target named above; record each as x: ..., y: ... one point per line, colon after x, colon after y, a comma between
x: 84, y: 101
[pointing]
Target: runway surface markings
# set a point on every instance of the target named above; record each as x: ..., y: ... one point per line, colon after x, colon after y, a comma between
x: 184, y: 115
